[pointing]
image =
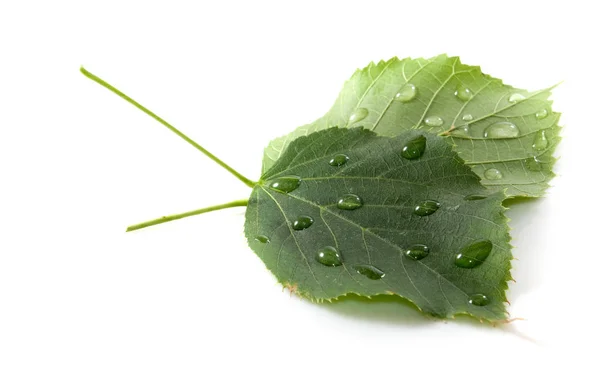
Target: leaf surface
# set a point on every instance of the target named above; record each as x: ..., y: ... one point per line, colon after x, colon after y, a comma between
x: 391, y: 213
x: 496, y: 127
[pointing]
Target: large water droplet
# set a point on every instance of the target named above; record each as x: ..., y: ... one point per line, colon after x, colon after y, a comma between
x: 358, y: 115
x: 540, y: 142
x: 474, y: 254
x: 329, y: 256
x: 369, y: 271
x: 406, y: 93
x: 338, y: 160
x: 533, y: 164
x: 417, y: 251
x: 285, y: 184
x: 262, y: 238
x: 475, y: 197
x: 479, y: 299
x: 501, y: 130
x: 414, y: 148
x: 426, y: 207
x: 467, y: 117
x: 493, y: 174
x: 434, y: 121
x: 461, y: 132
x: 463, y: 93
x: 515, y: 98
x: 349, y: 202
x: 541, y: 114
x: 302, y: 222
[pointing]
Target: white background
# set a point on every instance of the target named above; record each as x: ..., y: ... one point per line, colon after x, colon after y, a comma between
x: 78, y: 164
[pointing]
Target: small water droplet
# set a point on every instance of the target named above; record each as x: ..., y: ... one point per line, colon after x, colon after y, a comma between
x: 475, y: 197
x: 358, y: 115
x: 406, y: 93
x: 479, y: 299
x: 414, y: 148
x: 516, y: 97
x: 285, y: 184
x: 540, y: 142
x: 541, y: 114
x: 426, y: 207
x: 338, y: 160
x: 349, y: 202
x: 417, y: 251
x: 302, y: 222
x: 463, y: 93
x: 501, y: 130
x: 533, y: 164
x: 493, y: 174
x: 369, y: 271
x: 434, y: 121
x: 263, y: 239
x: 461, y: 132
x: 329, y: 256
x: 474, y: 254
x: 467, y: 117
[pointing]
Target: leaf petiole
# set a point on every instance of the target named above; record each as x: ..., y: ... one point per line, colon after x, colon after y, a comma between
x: 100, y: 81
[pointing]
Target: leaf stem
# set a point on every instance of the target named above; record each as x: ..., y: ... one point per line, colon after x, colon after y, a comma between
x: 100, y: 81
x: 174, y: 217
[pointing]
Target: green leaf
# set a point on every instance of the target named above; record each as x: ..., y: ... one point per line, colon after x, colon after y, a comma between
x: 400, y: 215
x: 453, y: 99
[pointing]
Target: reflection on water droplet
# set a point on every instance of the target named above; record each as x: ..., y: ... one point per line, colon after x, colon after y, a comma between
x: 434, y: 121
x: 474, y: 254
x: 329, y: 256
x: 349, y: 202
x: 540, y: 142
x: 516, y: 97
x: 302, y: 222
x: 541, y: 114
x: 492, y: 174
x: 358, y: 115
x: 463, y: 93
x: 479, y: 299
x: 369, y: 271
x: 417, y: 251
x: 426, y: 207
x: 285, y: 184
x: 414, y: 148
x: 501, y: 130
x: 406, y: 93
x: 263, y: 239
x: 338, y: 160
x: 533, y: 164
x: 475, y: 197
x: 461, y: 132
x: 467, y: 117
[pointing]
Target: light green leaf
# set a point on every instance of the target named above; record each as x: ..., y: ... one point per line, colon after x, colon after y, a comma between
x: 370, y: 204
x: 443, y: 96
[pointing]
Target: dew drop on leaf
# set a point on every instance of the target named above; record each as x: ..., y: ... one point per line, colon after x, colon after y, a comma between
x: 426, y: 207
x: 501, y: 130
x: 467, y: 117
x: 358, y: 115
x: 406, y: 93
x: 285, y: 184
x: 474, y: 254
x: 338, y: 160
x: 417, y: 252
x: 541, y: 114
x: 474, y: 197
x: 515, y: 98
x: 369, y: 271
x: 479, y: 299
x: 533, y: 164
x: 349, y: 202
x: 540, y: 142
x: 262, y: 238
x: 329, y: 256
x: 434, y: 121
x: 414, y: 148
x: 463, y: 93
x: 302, y: 222
x: 493, y: 174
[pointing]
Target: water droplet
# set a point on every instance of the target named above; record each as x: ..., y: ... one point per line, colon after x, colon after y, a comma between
x: 329, y: 256
x: 358, y: 115
x: 369, y: 271
x: 474, y: 254
x: 475, y: 197
x: 349, y: 202
x: 285, y: 184
x: 463, y: 93
x: 501, y: 130
x: 493, y: 174
x: 263, y: 239
x: 426, y: 207
x: 467, y: 117
x: 533, y: 164
x: 541, y: 114
x: 461, y: 132
x: 479, y: 299
x: 302, y: 222
x: 434, y: 121
x: 417, y: 251
x: 515, y: 98
x: 406, y: 93
x: 414, y: 148
x: 338, y: 160
x: 540, y: 142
